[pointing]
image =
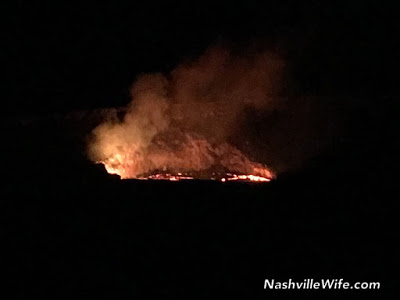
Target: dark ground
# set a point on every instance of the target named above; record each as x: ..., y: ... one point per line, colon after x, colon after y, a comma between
x: 73, y: 229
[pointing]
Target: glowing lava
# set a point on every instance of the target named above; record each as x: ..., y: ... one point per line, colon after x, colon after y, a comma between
x: 247, y: 178
x: 118, y: 165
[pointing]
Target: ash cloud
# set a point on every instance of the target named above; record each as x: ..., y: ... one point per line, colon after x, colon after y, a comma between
x: 227, y: 82
x: 189, y: 117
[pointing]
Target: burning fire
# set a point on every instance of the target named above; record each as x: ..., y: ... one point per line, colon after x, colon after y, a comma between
x: 218, y: 168
x: 178, y: 127
x: 112, y: 168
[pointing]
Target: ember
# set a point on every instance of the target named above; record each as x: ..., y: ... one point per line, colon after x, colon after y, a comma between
x: 117, y: 166
x: 192, y: 159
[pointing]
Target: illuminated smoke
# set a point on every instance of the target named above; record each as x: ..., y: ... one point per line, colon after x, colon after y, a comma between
x: 182, y: 121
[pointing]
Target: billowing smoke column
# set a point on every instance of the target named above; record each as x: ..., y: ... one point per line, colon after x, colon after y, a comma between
x: 181, y: 122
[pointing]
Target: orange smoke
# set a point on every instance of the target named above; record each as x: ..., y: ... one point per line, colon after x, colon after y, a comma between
x: 178, y: 126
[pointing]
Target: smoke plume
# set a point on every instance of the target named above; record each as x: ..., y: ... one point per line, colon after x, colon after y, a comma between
x: 185, y: 120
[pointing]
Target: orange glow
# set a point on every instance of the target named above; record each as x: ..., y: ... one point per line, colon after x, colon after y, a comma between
x: 249, y: 177
x: 186, y: 124
x: 118, y: 165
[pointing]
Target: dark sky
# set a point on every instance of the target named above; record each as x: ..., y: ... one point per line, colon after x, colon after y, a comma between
x: 70, y: 56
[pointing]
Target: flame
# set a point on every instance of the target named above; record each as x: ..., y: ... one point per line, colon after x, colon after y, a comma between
x: 113, y: 165
x: 248, y: 177
x: 119, y: 164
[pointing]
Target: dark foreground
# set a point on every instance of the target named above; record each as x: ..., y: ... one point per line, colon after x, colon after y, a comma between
x: 72, y: 230
x: 195, y: 238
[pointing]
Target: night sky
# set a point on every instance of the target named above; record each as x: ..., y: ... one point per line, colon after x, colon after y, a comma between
x: 73, y: 228
x: 59, y: 57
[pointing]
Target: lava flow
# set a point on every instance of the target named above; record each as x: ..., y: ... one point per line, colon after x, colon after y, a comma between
x: 222, y: 163
x: 223, y: 177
